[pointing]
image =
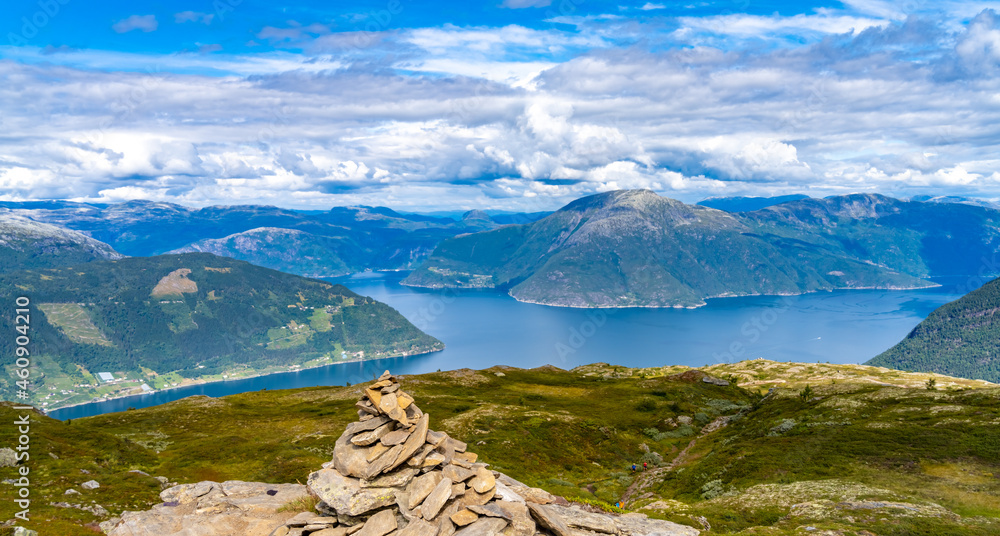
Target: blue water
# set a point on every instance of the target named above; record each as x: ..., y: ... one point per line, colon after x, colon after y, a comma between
x: 485, y: 328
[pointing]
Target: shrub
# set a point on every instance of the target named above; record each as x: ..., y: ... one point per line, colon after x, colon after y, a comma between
x: 652, y: 458
x: 684, y: 430
x: 713, y: 489
x: 646, y: 405
x: 782, y: 427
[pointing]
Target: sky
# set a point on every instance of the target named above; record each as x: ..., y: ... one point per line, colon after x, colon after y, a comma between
x: 517, y: 105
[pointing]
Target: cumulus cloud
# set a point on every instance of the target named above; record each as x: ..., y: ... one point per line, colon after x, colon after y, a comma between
x: 521, y: 118
x: 144, y: 23
x: 193, y: 16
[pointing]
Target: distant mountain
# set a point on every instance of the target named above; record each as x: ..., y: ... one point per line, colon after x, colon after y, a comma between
x: 955, y: 199
x: 374, y: 238
x: 635, y: 248
x: 961, y: 338
x: 287, y: 250
x: 193, y: 316
x: 748, y: 204
x: 919, y: 239
x: 27, y: 244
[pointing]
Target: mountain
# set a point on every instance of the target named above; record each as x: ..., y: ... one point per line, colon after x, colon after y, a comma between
x: 919, y: 239
x: 634, y: 248
x: 961, y: 338
x: 870, y: 451
x: 955, y: 199
x: 287, y: 250
x: 176, y: 319
x: 375, y: 238
x: 26, y: 244
x: 748, y: 204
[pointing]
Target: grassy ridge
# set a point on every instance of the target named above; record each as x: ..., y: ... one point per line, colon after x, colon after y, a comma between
x: 961, y: 338
x: 855, y: 456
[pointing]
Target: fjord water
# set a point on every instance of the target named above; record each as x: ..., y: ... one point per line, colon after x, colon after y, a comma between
x: 486, y: 328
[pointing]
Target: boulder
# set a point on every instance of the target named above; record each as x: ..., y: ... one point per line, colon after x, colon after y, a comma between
x: 346, y: 496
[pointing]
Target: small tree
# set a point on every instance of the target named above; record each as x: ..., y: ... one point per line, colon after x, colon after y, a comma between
x: 932, y: 384
x: 806, y: 394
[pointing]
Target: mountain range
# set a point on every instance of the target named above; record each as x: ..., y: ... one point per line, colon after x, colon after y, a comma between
x: 339, y: 241
x: 961, y: 338
x: 173, y: 319
x: 634, y: 248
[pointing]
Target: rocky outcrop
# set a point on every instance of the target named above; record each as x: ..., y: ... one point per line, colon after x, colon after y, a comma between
x: 391, y: 475
x: 213, y: 509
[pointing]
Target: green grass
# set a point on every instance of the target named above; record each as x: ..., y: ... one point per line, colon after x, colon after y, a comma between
x: 575, y: 434
x: 74, y: 322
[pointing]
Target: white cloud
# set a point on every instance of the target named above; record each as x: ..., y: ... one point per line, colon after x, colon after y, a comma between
x: 743, y: 25
x: 649, y: 6
x: 520, y: 4
x: 193, y: 16
x: 145, y: 23
x: 464, y: 116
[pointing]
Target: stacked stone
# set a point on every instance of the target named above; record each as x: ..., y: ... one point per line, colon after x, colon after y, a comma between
x: 391, y: 474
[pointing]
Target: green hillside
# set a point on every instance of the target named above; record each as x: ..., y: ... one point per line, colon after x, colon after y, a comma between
x: 853, y: 458
x: 173, y: 319
x: 635, y: 248
x: 961, y: 338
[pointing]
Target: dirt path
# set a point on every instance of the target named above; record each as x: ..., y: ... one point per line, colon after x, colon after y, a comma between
x: 648, y: 478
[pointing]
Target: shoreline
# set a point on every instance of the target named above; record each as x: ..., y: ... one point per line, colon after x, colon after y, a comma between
x: 704, y: 303
x: 195, y: 383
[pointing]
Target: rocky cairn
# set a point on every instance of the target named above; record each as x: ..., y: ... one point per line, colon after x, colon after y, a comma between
x: 391, y: 475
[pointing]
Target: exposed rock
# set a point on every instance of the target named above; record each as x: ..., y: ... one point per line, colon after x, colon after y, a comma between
x: 639, y: 524
x: 419, y: 527
x: 549, y: 520
x: 379, y: 524
x: 436, y: 499
x: 421, y: 487
x: 580, y: 519
x: 396, y: 437
x: 367, y: 438
x: 90, y: 484
x: 715, y: 381
x: 346, y: 496
x: 464, y: 517
x: 390, y: 475
x: 489, y: 526
x: 244, y: 508
x: 484, y: 480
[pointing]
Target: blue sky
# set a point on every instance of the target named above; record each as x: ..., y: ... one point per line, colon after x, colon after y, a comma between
x: 509, y: 104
